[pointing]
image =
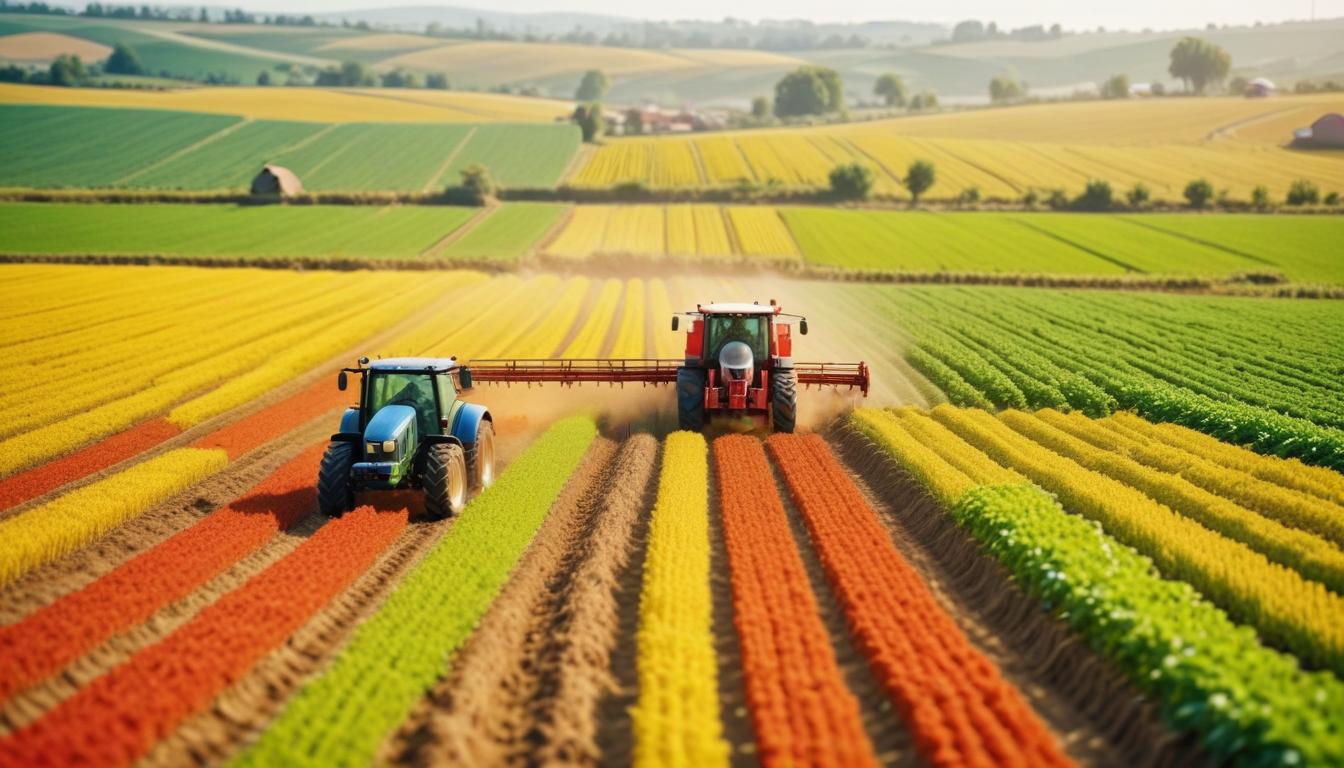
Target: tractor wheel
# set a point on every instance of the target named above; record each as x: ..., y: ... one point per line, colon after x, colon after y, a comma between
x: 481, y: 457
x: 783, y: 400
x: 335, y: 492
x: 445, y: 481
x: 691, y: 398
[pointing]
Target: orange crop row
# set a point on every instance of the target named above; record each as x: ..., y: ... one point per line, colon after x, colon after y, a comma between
x: 273, y: 421
x: 802, y: 710
x: 116, y: 718
x: 953, y: 699
x: 45, y: 641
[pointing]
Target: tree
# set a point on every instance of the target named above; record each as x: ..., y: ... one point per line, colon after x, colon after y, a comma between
x: 436, y: 80
x: 400, y: 78
x: 589, y: 119
x: 968, y: 31
x: 13, y: 73
x: 760, y: 107
x: 1116, y: 87
x: 1332, y: 198
x: 354, y: 73
x: 123, y: 61
x: 918, y: 178
x: 477, y: 188
x: 809, y: 90
x: 1260, y: 197
x: 634, y: 121
x: 1198, y: 193
x: 1006, y: 89
x: 263, y: 77
x: 66, y: 70
x: 968, y: 196
x: 892, y: 90
x: 1199, y: 63
x: 924, y: 100
x: 1237, y: 86
x: 852, y: 181
x: 1303, y: 192
x: 1096, y: 196
x: 1138, y: 195
x: 593, y: 86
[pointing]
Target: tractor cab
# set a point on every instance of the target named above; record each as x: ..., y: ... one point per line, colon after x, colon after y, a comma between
x: 739, y: 362
x: 409, y: 430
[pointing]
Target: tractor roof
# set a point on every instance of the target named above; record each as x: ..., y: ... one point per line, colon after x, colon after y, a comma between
x: 742, y: 308
x: 414, y: 364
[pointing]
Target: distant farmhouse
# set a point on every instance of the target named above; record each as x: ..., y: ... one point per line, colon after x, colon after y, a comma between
x: 1260, y: 87
x: 274, y: 180
x: 1325, y: 133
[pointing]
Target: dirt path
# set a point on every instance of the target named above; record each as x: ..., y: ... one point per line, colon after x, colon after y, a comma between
x: 497, y: 706
x: 1098, y: 717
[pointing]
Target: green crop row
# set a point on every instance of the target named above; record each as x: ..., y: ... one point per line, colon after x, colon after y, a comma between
x: 1249, y: 704
x: 1213, y: 364
x: 507, y: 234
x: 58, y: 146
x: 1069, y: 244
x: 341, y: 717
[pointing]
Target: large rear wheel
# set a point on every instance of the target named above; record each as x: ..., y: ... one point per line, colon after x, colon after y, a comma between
x: 445, y: 481
x: 335, y: 490
x: 481, y: 458
x: 783, y: 400
x: 691, y: 398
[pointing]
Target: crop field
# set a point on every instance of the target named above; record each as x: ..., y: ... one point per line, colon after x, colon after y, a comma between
x: 686, y: 233
x: 194, y: 151
x: 1002, y: 153
x: 1120, y: 542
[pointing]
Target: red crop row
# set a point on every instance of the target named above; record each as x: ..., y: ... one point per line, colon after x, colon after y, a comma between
x: 52, y: 637
x: 953, y: 699
x: 29, y: 484
x: 117, y: 717
x: 803, y: 712
x: 271, y: 422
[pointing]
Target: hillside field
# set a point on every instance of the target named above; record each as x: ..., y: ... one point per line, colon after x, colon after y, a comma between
x: 723, y: 571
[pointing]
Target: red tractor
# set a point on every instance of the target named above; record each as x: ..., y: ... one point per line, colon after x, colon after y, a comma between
x: 739, y: 362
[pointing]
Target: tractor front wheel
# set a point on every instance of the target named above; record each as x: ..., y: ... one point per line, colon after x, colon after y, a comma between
x: 691, y: 398
x: 335, y: 491
x: 783, y: 400
x: 481, y: 458
x: 445, y: 481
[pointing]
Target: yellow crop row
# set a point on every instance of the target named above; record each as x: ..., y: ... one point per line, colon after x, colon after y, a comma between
x: 1324, y: 484
x: 59, y: 527
x: 1287, y: 609
x: 582, y: 234
x: 593, y: 334
x: 676, y: 719
x: 761, y: 232
x: 723, y: 161
x: 1308, y: 554
x: 666, y: 343
x: 630, y: 333
x: 930, y: 470
x: 1286, y: 505
x: 180, y: 351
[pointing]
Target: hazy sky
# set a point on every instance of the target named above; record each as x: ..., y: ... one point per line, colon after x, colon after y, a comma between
x: 1076, y: 14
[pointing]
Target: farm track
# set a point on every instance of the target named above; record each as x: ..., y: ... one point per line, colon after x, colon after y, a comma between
x: 44, y: 584
x: 1099, y: 718
x: 486, y: 711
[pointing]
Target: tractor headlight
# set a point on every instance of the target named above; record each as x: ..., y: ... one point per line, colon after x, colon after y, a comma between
x: 371, y: 448
x: 389, y: 446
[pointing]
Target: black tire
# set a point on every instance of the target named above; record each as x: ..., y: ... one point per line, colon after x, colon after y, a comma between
x: 445, y: 481
x: 691, y: 398
x: 783, y: 400
x: 335, y: 490
x: 481, y: 457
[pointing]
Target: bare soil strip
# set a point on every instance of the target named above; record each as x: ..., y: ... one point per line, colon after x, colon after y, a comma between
x: 43, y: 585
x: 215, y: 735
x: 1098, y: 717
x: 484, y: 711
x: 890, y: 739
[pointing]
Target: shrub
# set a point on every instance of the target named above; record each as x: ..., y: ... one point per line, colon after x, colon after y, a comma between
x: 968, y: 196
x: 923, y: 100
x: 852, y: 181
x: 1198, y: 193
x: 477, y: 187
x: 124, y: 61
x: 1031, y: 197
x: 1332, y: 198
x: 918, y: 178
x: 1057, y: 200
x: 1303, y: 192
x: 1096, y: 196
x: 1260, y: 197
x: 1138, y: 195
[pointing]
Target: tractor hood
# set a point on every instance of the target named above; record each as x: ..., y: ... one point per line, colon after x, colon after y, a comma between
x: 390, y: 423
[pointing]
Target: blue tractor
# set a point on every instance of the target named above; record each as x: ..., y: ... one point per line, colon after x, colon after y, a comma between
x: 410, y: 431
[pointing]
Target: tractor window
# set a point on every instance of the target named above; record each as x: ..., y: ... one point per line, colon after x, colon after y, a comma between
x: 415, y: 390
x: 748, y: 330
